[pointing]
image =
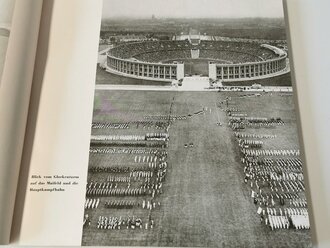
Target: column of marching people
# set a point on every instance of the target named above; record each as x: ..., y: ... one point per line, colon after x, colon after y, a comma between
x: 137, y: 183
x: 274, y: 176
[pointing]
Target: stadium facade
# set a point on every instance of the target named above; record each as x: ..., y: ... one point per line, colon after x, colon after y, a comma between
x: 228, y: 60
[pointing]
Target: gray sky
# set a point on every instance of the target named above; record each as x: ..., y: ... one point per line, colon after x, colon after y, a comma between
x: 193, y: 8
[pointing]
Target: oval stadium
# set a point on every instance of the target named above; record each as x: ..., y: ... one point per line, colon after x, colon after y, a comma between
x: 205, y: 57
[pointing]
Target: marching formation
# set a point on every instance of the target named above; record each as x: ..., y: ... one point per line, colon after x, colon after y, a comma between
x: 132, y: 183
x: 113, y: 150
x: 274, y: 176
x: 283, y: 219
x: 110, y: 169
x: 131, y: 172
x: 258, y: 136
x: 92, y: 203
x: 128, y: 222
x: 130, y: 124
x: 273, y: 152
x: 241, y: 123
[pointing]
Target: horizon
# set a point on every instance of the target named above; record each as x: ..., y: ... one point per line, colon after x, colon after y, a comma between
x: 193, y: 9
x: 185, y: 18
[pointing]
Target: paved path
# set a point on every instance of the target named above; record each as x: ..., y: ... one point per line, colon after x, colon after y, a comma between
x: 185, y: 87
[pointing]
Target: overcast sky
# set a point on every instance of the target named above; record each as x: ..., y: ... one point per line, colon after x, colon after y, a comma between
x: 192, y: 8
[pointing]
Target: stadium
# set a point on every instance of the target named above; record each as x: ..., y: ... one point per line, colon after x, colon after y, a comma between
x: 196, y: 55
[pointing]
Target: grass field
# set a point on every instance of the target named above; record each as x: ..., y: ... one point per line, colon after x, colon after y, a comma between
x: 282, y: 80
x: 205, y: 202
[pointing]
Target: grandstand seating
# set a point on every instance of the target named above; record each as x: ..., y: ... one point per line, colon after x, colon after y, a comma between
x: 158, y: 51
x: 163, y: 55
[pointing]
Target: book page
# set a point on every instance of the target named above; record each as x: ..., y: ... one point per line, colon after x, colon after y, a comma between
x: 17, y: 54
x: 309, y: 39
x: 194, y: 137
x: 58, y: 130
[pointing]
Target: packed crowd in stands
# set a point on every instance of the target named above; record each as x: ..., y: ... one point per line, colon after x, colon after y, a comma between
x: 163, y: 55
x: 158, y: 51
x: 130, y: 50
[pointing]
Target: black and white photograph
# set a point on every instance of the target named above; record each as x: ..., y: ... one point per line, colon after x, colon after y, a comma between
x: 194, y: 139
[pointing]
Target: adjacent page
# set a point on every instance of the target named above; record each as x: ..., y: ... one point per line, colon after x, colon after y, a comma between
x: 194, y: 137
x: 58, y: 128
x: 19, y: 27
x: 309, y: 49
x: 6, y: 12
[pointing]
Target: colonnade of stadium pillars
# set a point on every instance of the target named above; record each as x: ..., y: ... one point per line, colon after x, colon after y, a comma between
x: 244, y: 71
x: 146, y: 70
x: 175, y: 71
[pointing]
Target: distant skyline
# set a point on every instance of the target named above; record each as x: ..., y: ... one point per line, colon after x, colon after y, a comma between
x: 192, y: 8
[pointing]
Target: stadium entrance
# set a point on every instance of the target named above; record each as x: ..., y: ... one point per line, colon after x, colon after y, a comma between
x: 194, y: 67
